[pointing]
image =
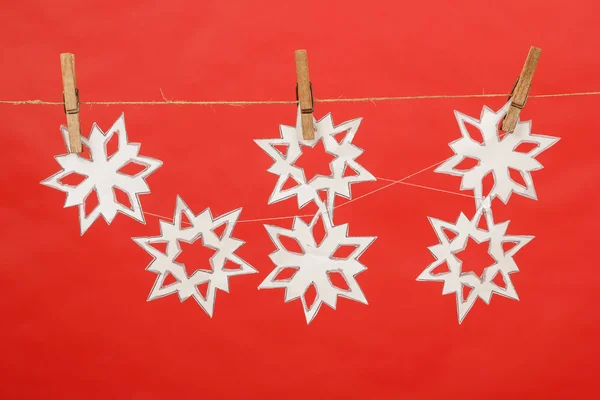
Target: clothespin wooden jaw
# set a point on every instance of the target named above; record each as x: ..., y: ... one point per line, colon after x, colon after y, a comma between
x: 71, y: 100
x: 304, y: 95
x: 520, y: 91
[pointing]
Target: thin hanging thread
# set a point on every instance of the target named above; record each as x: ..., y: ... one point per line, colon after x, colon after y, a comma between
x: 392, y: 183
x: 429, y: 188
x: 264, y: 102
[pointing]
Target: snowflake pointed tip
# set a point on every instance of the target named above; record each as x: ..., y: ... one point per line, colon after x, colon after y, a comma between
x: 47, y: 182
x: 458, y: 115
x: 232, y: 216
x: 84, y: 226
x: 463, y: 310
x: 251, y: 269
x: 310, y: 315
x: 140, y: 241
x: 423, y: 276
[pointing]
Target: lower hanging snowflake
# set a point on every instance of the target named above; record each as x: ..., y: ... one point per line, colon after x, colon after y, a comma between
x: 455, y: 281
x: 313, y: 264
x: 205, y: 231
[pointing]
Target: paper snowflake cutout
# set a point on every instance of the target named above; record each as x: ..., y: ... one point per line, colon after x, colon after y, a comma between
x: 344, y: 151
x: 203, y: 231
x: 455, y: 280
x: 102, y: 174
x: 313, y: 263
x: 496, y: 155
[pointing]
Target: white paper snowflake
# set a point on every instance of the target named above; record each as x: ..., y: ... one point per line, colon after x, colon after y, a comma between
x: 313, y: 263
x: 344, y: 151
x: 201, y: 230
x: 102, y: 174
x: 455, y: 280
x: 496, y: 155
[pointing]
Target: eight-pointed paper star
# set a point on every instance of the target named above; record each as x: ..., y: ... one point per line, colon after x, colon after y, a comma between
x: 202, y: 231
x: 454, y: 279
x: 102, y: 174
x: 344, y: 151
x: 314, y: 264
x: 496, y: 155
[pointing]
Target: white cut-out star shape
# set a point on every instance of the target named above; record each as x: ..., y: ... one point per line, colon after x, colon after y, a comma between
x: 202, y: 227
x: 496, y: 155
x: 314, y: 264
x: 345, y: 154
x: 455, y: 280
x: 102, y: 174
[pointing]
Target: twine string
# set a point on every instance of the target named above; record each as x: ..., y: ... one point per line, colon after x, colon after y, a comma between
x: 391, y: 183
x: 166, y: 101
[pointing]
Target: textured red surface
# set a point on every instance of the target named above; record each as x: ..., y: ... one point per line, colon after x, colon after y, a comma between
x: 75, y: 321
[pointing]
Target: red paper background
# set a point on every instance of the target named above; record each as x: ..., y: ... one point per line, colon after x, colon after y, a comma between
x: 75, y: 321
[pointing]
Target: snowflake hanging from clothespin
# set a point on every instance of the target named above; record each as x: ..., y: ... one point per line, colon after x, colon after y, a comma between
x: 313, y: 264
x: 496, y: 154
x: 202, y: 230
x: 286, y: 150
x: 324, y: 265
x: 469, y: 286
x: 103, y: 174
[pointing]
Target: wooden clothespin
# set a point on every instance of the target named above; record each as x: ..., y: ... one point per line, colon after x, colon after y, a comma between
x: 71, y: 100
x: 520, y: 91
x: 304, y: 95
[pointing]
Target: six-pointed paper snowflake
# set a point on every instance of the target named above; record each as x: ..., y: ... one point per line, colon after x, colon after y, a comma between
x: 201, y: 231
x: 102, y: 174
x: 313, y: 263
x: 344, y: 151
x: 496, y: 154
x: 455, y: 280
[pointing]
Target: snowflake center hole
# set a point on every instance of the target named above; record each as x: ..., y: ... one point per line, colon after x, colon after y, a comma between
x: 195, y: 256
x: 475, y: 257
x: 314, y: 161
